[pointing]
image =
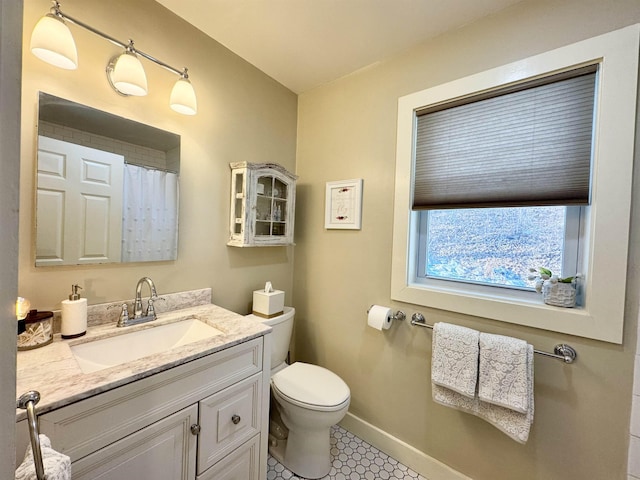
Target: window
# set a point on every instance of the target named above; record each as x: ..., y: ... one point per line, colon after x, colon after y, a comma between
x: 604, y: 226
x: 525, y: 144
x: 497, y: 246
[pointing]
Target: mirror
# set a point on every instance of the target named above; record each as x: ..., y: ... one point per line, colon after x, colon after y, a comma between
x: 107, y: 187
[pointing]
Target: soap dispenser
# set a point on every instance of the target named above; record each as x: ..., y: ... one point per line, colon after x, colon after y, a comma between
x: 74, y: 315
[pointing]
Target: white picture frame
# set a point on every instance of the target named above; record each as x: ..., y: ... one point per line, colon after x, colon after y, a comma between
x: 343, y: 205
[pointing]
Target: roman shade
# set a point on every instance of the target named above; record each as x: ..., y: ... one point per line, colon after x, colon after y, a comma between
x: 525, y: 145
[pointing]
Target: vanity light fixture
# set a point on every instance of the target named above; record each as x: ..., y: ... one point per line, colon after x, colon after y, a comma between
x: 52, y: 42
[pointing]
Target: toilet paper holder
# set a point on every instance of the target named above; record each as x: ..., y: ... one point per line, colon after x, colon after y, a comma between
x: 399, y: 315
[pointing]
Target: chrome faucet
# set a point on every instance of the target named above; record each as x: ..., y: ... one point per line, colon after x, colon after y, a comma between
x: 139, y: 316
x: 137, y: 308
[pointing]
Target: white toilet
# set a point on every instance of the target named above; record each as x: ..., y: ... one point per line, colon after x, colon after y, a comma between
x: 307, y: 401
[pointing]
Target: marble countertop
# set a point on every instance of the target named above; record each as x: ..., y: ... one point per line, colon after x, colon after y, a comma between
x: 53, y: 371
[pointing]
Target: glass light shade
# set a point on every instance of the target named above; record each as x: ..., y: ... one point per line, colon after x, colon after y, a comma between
x: 128, y: 76
x: 52, y: 42
x: 183, y: 97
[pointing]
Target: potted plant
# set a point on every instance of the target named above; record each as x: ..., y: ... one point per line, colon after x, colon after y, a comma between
x: 560, y: 292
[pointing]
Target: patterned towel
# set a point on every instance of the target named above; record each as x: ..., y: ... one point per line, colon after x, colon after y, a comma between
x: 515, y: 424
x: 503, y: 373
x: 454, y: 359
x: 57, y: 466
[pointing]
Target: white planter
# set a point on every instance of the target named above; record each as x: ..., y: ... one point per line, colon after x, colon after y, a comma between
x: 559, y: 294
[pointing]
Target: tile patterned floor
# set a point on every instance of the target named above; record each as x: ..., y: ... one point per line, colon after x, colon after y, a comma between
x: 353, y: 459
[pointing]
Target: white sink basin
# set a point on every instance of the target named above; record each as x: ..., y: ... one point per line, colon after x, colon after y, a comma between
x: 127, y: 347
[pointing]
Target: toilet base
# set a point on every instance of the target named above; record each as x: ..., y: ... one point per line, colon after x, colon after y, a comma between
x: 277, y: 448
x: 307, y: 457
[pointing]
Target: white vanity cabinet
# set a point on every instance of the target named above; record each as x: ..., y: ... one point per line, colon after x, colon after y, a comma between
x: 262, y: 205
x: 203, y: 419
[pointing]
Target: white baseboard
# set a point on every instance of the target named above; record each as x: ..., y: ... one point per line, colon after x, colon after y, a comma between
x: 410, y: 456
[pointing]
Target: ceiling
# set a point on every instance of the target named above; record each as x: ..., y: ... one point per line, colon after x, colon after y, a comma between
x: 306, y: 43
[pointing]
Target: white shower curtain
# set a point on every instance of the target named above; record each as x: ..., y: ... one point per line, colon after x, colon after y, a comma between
x: 150, y: 215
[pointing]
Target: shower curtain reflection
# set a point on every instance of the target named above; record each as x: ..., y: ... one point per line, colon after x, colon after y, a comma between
x: 150, y: 215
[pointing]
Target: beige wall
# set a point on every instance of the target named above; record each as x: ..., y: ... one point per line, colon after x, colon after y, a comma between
x: 347, y: 129
x: 243, y: 115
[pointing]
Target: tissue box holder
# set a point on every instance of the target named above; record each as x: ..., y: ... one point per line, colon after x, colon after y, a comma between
x: 268, y: 305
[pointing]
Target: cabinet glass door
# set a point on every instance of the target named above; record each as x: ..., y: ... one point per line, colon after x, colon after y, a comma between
x: 271, y: 206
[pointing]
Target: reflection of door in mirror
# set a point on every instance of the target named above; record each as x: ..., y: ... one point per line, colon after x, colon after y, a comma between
x: 79, y: 204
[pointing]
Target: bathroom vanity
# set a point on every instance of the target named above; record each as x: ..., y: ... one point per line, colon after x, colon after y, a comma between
x: 195, y: 411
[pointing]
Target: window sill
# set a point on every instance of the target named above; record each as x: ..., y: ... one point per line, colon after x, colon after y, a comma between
x: 521, y: 311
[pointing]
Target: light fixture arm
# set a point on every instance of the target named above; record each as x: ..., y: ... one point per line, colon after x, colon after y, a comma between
x: 160, y: 62
x: 55, y: 10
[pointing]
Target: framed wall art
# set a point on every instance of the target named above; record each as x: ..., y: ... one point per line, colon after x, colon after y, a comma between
x: 343, y: 205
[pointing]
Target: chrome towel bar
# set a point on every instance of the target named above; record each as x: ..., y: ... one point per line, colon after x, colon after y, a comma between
x: 563, y: 352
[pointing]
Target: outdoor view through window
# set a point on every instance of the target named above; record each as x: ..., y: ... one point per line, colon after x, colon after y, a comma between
x: 493, y: 246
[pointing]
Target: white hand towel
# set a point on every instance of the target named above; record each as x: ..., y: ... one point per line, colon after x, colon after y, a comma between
x: 454, y: 358
x: 515, y: 424
x: 503, y: 373
x: 57, y: 466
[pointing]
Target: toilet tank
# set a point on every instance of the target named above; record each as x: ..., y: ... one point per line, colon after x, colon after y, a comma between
x: 282, y: 326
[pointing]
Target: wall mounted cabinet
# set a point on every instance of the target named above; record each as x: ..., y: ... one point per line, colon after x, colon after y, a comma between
x: 262, y: 205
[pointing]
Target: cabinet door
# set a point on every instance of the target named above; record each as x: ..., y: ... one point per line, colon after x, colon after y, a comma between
x: 242, y: 464
x: 228, y: 419
x: 165, y: 450
x: 271, y: 212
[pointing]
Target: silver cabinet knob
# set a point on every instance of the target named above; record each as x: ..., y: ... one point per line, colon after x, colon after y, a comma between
x: 195, y: 429
x: 236, y: 419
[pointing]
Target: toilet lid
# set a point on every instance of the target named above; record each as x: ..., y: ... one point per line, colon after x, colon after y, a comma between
x: 311, y: 384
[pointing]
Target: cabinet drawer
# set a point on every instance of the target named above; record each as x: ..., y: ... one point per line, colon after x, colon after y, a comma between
x: 162, y: 451
x: 86, y: 426
x: 242, y: 464
x: 228, y: 419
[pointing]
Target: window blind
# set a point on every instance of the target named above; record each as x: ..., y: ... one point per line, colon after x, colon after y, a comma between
x: 528, y: 145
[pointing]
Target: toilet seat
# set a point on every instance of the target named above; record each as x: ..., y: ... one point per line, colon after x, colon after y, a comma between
x: 312, y: 387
